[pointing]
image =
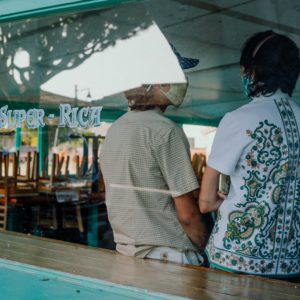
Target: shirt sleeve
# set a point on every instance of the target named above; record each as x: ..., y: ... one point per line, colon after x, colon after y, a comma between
x: 173, y: 157
x: 228, y: 145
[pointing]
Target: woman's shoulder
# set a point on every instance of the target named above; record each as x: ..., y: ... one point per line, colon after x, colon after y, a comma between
x: 239, y: 116
x: 254, y: 111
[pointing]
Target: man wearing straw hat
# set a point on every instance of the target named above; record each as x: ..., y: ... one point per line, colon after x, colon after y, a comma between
x: 149, y: 180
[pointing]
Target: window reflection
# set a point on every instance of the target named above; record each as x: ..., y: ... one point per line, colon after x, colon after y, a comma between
x: 60, y: 78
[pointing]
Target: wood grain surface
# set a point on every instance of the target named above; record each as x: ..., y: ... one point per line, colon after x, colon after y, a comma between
x: 192, y: 282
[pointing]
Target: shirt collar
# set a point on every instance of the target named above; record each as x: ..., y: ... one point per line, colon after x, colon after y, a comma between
x: 277, y: 95
x: 155, y: 110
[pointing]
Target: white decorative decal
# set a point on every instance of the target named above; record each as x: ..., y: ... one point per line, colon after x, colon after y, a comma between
x: 69, y: 116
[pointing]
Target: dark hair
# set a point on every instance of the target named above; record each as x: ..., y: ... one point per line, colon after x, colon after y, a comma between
x: 272, y: 61
x: 147, y: 107
x: 140, y: 107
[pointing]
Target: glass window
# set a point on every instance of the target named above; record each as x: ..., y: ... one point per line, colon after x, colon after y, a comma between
x: 61, y: 87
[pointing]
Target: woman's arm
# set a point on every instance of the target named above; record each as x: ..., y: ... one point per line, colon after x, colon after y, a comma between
x: 210, y: 199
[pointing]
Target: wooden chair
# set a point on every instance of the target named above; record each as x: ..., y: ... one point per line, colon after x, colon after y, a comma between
x: 74, y: 198
x: 71, y: 208
x: 16, y: 189
x: 56, y: 174
x: 3, y: 190
x: 199, y: 164
x: 31, y: 176
x: 82, y: 167
x: 57, y: 186
x: 47, y: 187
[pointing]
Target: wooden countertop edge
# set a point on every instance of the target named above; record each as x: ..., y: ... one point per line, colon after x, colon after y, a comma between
x: 186, y: 281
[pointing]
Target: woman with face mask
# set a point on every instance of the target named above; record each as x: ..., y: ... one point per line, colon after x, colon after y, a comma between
x: 257, y: 228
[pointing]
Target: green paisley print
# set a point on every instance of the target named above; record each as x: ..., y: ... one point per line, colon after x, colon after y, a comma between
x: 263, y: 232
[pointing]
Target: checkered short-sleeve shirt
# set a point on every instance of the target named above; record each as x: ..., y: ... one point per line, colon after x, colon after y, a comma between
x: 145, y: 161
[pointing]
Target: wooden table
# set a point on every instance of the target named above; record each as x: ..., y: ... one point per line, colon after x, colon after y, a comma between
x: 193, y: 282
x: 85, y: 195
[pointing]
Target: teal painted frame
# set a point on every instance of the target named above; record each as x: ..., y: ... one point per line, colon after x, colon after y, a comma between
x: 59, y: 6
x: 82, y: 282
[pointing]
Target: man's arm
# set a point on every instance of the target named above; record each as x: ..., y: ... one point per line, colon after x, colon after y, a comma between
x: 196, y: 225
x: 210, y: 199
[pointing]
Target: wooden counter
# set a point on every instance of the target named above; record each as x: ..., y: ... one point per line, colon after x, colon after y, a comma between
x: 193, y: 282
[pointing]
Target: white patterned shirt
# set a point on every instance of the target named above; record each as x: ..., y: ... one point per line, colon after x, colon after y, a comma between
x: 257, y: 230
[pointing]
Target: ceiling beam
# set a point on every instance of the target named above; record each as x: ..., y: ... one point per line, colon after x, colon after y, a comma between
x: 229, y: 12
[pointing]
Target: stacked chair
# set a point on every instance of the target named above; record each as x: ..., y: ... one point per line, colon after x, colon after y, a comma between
x: 49, y: 199
x: 16, y: 188
x: 199, y: 164
x: 61, y: 190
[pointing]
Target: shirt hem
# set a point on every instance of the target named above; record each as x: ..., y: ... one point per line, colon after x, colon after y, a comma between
x: 188, y: 190
x: 214, y: 265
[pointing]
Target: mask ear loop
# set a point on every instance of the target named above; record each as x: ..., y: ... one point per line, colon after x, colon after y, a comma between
x: 148, y: 88
x: 261, y: 43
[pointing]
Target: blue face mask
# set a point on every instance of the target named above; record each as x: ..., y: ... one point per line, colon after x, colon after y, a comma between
x: 247, y: 83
